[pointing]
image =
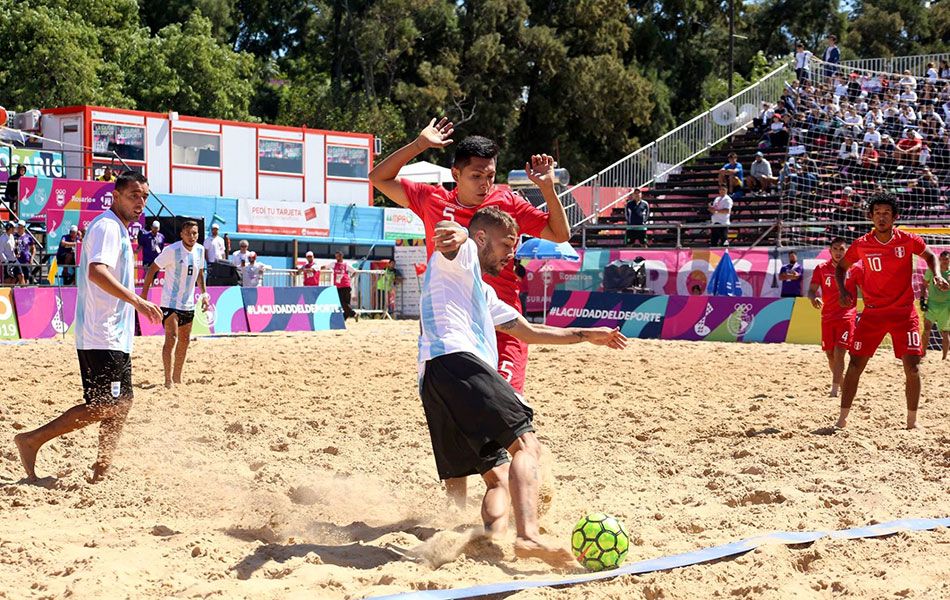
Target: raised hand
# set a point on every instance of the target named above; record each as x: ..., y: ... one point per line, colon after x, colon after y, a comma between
x: 436, y: 135
x: 605, y: 336
x: 540, y: 170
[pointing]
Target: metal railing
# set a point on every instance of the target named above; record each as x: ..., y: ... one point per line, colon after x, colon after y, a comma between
x: 281, y: 278
x: 896, y: 64
x: 653, y: 162
x: 774, y: 232
x: 369, y: 297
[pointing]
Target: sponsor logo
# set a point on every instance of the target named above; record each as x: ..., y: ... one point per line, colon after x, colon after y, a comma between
x: 60, y: 197
x: 857, y: 345
x: 116, y: 388
x: 107, y: 200
x: 741, y: 320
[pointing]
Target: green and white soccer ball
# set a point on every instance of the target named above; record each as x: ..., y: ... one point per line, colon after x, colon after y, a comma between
x: 600, y: 542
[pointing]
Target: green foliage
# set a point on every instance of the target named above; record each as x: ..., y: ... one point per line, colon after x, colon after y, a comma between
x: 585, y: 80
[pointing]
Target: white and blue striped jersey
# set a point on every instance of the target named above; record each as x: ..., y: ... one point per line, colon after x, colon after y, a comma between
x: 458, y: 310
x: 181, y: 268
x: 103, y: 322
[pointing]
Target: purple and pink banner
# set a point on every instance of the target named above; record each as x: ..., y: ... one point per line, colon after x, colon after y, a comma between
x: 225, y: 313
x: 39, y: 194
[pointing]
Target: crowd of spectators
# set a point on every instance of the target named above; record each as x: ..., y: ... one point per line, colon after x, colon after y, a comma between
x: 852, y: 132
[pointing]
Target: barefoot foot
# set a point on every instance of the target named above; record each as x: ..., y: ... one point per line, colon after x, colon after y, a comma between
x: 537, y: 548
x: 27, y: 455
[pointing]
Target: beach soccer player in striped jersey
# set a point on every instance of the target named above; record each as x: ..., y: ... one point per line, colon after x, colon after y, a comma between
x: 105, y: 324
x: 475, y: 417
x: 837, y: 322
x: 473, y: 170
x: 887, y: 255
x: 184, y: 266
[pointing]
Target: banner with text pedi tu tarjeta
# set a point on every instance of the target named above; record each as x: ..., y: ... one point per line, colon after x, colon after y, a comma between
x: 637, y: 316
x: 292, y: 309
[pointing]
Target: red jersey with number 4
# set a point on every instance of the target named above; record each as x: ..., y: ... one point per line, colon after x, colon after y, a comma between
x: 434, y: 203
x: 888, y: 268
x: 831, y: 309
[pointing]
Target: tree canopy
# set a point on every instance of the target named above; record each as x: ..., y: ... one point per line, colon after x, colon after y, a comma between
x: 585, y: 80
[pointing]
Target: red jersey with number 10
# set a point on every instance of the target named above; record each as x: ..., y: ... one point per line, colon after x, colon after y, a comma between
x: 888, y: 268
x: 434, y: 203
x: 831, y: 309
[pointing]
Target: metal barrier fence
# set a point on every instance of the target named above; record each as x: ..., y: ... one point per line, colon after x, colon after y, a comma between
x: 281, y: 278
x: 370, y: 296
x: 896, y: 64
x: 653, y: 162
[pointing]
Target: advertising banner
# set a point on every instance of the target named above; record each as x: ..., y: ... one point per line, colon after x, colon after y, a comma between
x: 292, y: 309
x: 402, y: 224
x: 724, y: 319
x: 8, y: 326
x: 637, y: 316
x: 284, y: 218
x: 37, y: 195
x: 40, y: 312
x: 39, y: 163
x: 225, y: 313
x: 411, y: 262
x: 4, y: 163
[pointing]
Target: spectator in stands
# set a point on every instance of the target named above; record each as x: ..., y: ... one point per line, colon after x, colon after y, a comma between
x: 872, y: 136
x: 341, y: 279
x: 214, y: 246
x: 107, y: 174
x: 926, y: 188
x: 240, y: 257
x: 637, y: 212
x: 787, y: 101
x: 854, y: 86
x: 12, y: 191
x: 908, y: 148
x: 870, y: 158
x: 760, y: 175
x: 832, y: 55
x: 252, y: 273
x: 730, y: 175
x: 24, y: 254
x: 848, y: 154
x: 720, y: 209
x: 66, y: 255
x: 932, y: 74
x: 764, y: 119
x: 791, y: 276
x: 151, y: 242
x: 310, y: 271
x: 778, y: 135
x: 907, y: 80
x: 8, y: 254
x: 802, y: 59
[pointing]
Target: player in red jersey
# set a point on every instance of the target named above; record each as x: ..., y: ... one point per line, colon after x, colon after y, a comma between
x: 887, y: 255
x: 473, y: 170
x: 837, y: 322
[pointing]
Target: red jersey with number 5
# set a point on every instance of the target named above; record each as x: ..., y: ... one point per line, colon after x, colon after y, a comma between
x: 434, y: 203
x: 888, y: 268
x: 831, y: 309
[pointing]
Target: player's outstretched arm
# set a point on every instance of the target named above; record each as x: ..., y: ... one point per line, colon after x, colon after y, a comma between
x: 532, y: 333
x: 384, y: 176
x: 540, y: 170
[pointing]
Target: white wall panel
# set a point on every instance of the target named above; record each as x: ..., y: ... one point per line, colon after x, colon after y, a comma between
x: 196, y: 182
x: 284, y: 189
x: 239, y: 160
x: 315, y: 166
x: 347, y: 192
x: 111, y: 117
x: 157, y: 151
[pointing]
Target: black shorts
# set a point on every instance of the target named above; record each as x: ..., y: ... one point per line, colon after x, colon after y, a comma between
x: 473, y: 414
x: 106, y: 376
x: 185, y: 317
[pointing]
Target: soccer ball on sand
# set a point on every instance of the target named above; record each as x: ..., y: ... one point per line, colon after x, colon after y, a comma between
x: 600, y: 542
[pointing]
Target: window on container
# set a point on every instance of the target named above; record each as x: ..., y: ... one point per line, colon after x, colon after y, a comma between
x: 280, y: 157
x: 347, y: 161
x: 127, y: 141
x: 196, y: 149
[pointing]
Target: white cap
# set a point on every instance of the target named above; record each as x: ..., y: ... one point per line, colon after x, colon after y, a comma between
x: 214, y: 226
x: 848, y: 189
x: 310, y: 254
x: 156, y: 224
x: 73, y: 228
x: 21, y: 223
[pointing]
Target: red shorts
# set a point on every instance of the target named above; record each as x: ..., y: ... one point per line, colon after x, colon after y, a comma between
x: 512, y: 360
x: 836, y: 333
x: 902, y: 323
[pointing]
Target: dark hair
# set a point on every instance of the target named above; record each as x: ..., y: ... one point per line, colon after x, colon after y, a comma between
x: 127, y: 178
x: 885, y: 198
x: 21, y: 166
x: 833, y: 38
x: 837, y: 240
x: 492, y: 216
x: 945, y: 254
x: 187, y: 225
x: 474, y: 146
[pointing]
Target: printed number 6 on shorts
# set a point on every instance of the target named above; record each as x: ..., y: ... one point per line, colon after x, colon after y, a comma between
x: 505, y: 370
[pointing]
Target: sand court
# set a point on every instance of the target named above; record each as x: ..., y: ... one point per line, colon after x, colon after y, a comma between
x: 298, y: 465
